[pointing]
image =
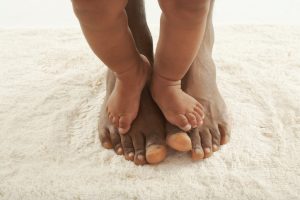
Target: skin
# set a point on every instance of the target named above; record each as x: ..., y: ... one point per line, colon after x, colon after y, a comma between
x: 200, y: 83
x: 145, y: 141
x: 182, y: 27
x: 105, y: 26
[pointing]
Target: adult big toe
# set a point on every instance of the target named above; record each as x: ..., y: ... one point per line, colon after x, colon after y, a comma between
x: 178, y: 139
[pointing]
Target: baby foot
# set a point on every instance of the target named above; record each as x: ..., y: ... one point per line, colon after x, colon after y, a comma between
x: 179, y: 108
x: 123, y: 103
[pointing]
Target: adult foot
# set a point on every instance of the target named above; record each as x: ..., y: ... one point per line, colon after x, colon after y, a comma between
x: 200, y: 83
x: 123, y: 103
x: 179, y: 108
x: 145, y: 141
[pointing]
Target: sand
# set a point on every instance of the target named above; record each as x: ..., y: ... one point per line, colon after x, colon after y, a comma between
x: 51, y: 89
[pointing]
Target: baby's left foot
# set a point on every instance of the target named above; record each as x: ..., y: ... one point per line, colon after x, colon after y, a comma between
x: 179, y: 108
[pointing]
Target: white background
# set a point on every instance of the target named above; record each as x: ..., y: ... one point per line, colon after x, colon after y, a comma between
x: 58, y: 13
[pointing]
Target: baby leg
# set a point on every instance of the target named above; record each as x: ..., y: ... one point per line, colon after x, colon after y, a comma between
x: 105, y: 26
x: 182, y: 31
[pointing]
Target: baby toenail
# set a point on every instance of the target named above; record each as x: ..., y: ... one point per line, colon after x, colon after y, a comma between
x: 187, y: 127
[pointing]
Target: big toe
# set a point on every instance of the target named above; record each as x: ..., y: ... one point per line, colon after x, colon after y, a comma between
x: 181, y: 121
x: 179, y: 141
x: 124, y: 124
x: 156, y: 153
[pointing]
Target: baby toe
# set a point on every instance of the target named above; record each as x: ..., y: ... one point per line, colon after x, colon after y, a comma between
x: 181, y: 121
x: 200, y: 112
x: 192, y: 119
x: 124, y: 124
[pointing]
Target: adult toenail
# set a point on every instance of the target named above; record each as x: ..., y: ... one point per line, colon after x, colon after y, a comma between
x: 198, y: 151
x: 120, y: 150
x: 107, y: 145
x: 215, y: 147
x: 131, y: 155
x: 140, y: 157
x: 207, y: 150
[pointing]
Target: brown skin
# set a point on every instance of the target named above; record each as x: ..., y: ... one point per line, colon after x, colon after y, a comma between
x: 147, y: 131
x: 145, y: 141
x: 200, y: 82
x: 105, y: 27
x: 182, y: 27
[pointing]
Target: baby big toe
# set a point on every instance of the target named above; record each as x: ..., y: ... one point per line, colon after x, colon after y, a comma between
x: 181, y: 121
x: 124, y: 124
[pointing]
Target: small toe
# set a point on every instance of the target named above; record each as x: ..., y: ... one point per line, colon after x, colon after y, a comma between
x: 199, y: 119
x: 127, y: 147
x: 192, y: 119
x: 200, y: 112
x: 206, y: 141
x: 225, y: 133
x: 124, y: 124
x: 139, y: 148
x: 216, y: 137
x: 116, y: 141
x: 105, y: 138
x: 197, y: 151
x: 200, y: 106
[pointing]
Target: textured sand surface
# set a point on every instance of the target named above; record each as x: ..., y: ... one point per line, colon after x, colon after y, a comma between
x: 51, y: 88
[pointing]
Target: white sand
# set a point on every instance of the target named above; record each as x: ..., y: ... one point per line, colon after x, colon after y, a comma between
x: 51, y: 88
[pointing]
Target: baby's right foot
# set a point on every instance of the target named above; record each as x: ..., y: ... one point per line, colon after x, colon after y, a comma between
x: 123, y: 103
x: 179, y: 108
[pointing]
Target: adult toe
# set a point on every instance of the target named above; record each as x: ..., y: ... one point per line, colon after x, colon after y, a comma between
x: 206, y: 141
x: 139, y: 148
x: 105, y: 138
x: 197, y: 151
x: 156, y: 150
x: 127, y: 147
x: 225, y: 131
x: 177, y: 139
x: 216, y: 138
x: 116, y: 141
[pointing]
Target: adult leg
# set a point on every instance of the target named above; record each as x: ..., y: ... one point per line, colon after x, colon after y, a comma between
x: 105, y: 26
x: 200, y: 82
x: 182, y: 30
